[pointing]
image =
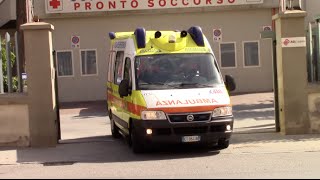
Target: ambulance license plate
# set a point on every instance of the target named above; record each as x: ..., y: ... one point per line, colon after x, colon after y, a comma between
x: 191, y: 138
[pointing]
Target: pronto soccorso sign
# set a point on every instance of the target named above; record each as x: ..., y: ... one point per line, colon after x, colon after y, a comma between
x: 75, y: 6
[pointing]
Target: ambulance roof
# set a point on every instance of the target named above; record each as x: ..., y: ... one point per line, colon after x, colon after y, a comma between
x: 163, y: 42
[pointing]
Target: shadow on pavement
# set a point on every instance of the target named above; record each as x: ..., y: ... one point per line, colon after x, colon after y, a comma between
x: 105, y: 149
x: 254, y: 111
x: 273, y: 137
x: 267, y: 127
x: 85, y: 110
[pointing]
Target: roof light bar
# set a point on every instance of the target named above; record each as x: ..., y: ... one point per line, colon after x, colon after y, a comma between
x: 112, y: 35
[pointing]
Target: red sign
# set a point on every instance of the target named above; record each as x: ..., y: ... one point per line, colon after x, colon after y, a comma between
x: 286, y: 42
x: 75, y: 41
x: 75, y: 6
x: 55, y: 4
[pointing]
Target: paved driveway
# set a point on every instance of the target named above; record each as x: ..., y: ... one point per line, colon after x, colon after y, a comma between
x: 253, y: 113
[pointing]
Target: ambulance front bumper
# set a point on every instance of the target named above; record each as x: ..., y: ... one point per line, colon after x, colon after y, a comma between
x: 163, y: 131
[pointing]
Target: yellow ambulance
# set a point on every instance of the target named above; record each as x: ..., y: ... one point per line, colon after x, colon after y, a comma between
x: 166, y: 87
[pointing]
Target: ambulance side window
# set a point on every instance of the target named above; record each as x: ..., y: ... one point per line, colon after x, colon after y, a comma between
x: 118, y: 71
x: 111, y: 66
x: 127, y: 70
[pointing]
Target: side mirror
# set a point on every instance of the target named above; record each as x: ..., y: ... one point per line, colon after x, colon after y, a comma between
x: 230, y: 83
x: 124, y: 88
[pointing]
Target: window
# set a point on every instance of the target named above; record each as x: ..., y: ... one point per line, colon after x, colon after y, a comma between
x: 64, y: 63
x: 88, y: 62
x: 251, y: 53
x: 228, y: 55
x: 127, y: 70
x: 111, y: 66
x: 118, y: 67
x: 174, y: 71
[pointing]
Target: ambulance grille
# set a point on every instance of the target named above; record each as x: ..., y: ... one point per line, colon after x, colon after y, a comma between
x: 181, y: 118
x: 190, y: 130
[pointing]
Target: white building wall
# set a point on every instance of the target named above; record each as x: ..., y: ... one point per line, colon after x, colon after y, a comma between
x: 7, y: 11
x: 238, y: 23
x: 237, y: 26
x: 313, y: 9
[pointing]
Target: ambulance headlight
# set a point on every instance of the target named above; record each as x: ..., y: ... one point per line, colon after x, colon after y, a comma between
x: 222, y: 111
x: 153, y: 115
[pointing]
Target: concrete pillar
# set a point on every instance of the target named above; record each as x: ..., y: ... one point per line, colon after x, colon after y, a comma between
x: 292, y: 72
x: 41, y: 87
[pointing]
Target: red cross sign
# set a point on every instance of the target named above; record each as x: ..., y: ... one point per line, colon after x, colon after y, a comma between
x: 54, y: 5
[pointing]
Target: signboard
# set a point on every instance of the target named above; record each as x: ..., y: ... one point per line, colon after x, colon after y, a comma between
x: 75, y: 41
x: 75, y: 6
x: 293, y: 42
x: 24, y: 76
x: 217, y: 35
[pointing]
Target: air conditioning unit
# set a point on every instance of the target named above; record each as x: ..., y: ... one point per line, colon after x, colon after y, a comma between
x: 267, y: 28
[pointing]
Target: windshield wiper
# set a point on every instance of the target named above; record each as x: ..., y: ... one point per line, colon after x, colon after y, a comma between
x: 158, y: 83
x: 195, y: 84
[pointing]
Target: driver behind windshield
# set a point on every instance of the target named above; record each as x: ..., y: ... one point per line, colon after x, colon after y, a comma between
x: 166, y: 71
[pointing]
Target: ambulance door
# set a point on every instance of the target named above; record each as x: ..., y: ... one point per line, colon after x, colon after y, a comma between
x: 111, y: 63
x: 117, y: 103
x: 127, y: 74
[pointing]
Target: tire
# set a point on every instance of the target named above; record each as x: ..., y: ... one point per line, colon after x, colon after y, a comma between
x: 136, y: 144
x: 223, y: 144
x: 114, y: 128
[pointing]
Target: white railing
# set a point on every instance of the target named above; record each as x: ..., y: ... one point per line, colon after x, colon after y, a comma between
x: 290, y: 5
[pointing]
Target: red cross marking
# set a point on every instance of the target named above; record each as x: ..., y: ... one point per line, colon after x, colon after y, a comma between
x: 55, y: 4
x: 286, y: 42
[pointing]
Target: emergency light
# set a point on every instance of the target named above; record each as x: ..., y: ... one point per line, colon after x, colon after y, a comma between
x: 172, y: 38
x: 196, y: 34
x: 184, y: 34
x: 140, y: 34
x: 157, y: 35
x: 112, y: 35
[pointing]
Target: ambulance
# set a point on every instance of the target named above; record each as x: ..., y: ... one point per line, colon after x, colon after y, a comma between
x: 165, y: 87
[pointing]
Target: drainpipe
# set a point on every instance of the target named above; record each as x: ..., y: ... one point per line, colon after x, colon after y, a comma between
x: 275, y: 76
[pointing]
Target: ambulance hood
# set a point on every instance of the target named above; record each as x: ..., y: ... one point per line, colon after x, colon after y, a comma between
x: 175, y: 98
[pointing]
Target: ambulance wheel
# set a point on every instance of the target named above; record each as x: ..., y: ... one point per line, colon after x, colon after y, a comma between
x: 114, y: 128
x: 136, y: 145
x: 223, y: 144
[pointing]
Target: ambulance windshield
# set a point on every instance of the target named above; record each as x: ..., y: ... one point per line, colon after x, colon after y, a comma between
x: 176, y: 71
